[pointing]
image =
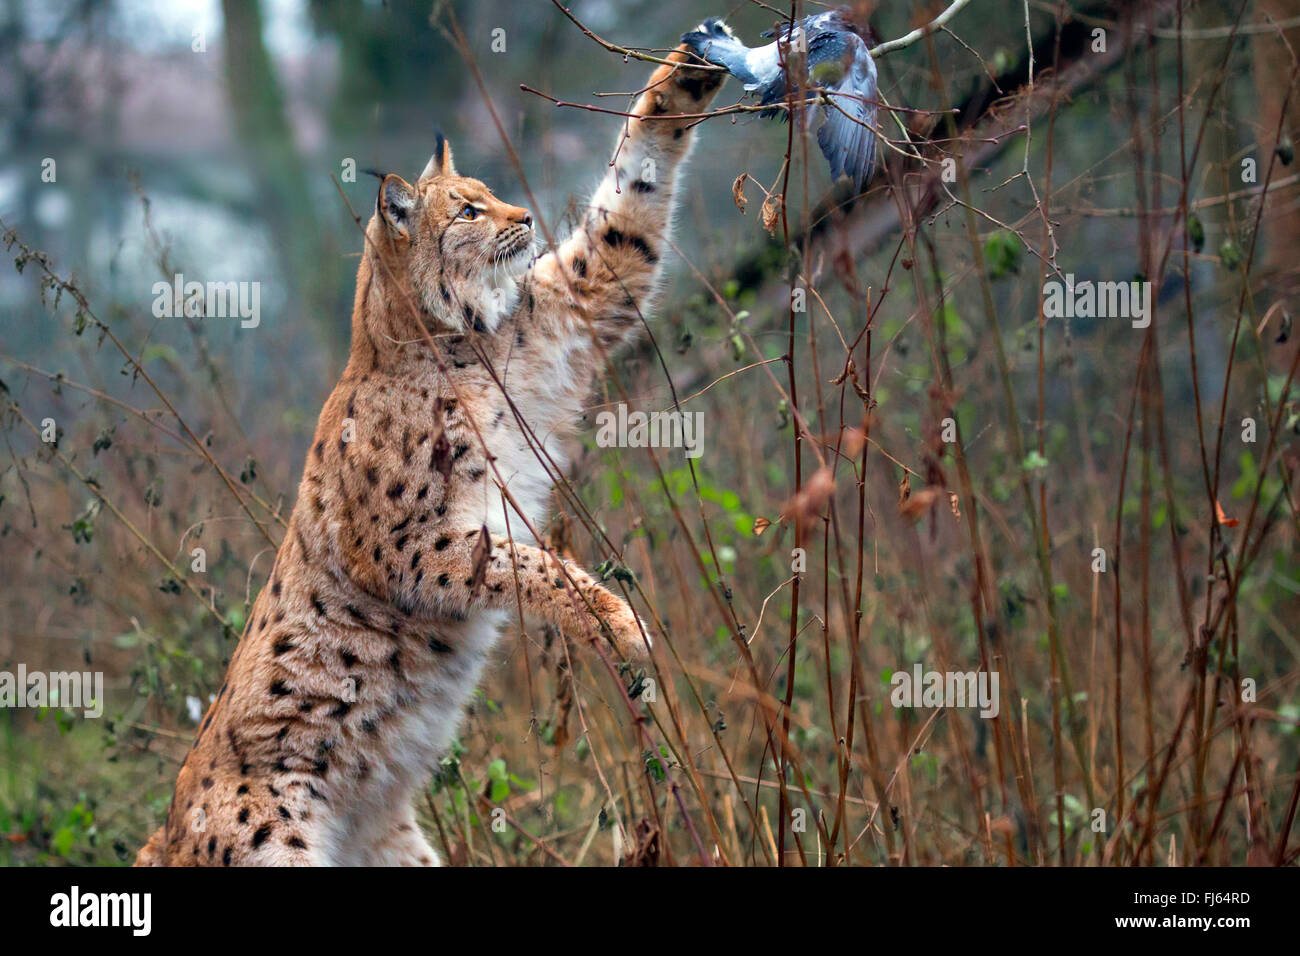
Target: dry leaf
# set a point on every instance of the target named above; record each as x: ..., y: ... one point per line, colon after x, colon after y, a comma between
x: 646, y: 851
x: 850, y: 374
x: 816, y: 491
x: 904, y: 489
x: 952, y: 503
x: 854, y: 439
x: 480, y: 554
x: 1001, y: 825
x: 771, y: 213
x: 1224, y: 519
x: 440, y: 455
x: 761, y: 524
x: 919, y: 502
x: 738, y: 192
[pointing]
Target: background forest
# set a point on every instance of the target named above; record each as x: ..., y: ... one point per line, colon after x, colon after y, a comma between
x: 1104, y: 514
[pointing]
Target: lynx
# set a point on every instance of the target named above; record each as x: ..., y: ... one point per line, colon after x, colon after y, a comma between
x: 413, y: 539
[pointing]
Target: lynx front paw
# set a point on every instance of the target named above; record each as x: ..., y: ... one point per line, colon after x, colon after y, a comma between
x: 632, y: 635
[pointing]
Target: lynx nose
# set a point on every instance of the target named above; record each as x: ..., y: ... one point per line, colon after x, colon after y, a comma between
x: 521, y: 216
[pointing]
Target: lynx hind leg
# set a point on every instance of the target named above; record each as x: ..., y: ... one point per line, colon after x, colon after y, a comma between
x: 404, y: 845
x: 153, y: 853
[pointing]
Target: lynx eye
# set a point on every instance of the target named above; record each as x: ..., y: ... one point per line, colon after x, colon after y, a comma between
x: 469, y: 213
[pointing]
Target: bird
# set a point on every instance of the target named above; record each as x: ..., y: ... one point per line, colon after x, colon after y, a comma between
x: 837, y: 63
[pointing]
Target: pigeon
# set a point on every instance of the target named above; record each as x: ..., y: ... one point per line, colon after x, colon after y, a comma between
x: 837, y: 63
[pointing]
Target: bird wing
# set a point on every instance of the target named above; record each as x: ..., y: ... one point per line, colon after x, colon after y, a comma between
x: 824, y: 43
x: 847, y: 136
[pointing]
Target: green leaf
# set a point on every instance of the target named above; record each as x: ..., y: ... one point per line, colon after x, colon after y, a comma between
x: 1002, y: 254
x: 159, y: 350
x: 1034, y: 461
x: 62, y: 842
x: 1229, y: 254
x: 1195, y: 232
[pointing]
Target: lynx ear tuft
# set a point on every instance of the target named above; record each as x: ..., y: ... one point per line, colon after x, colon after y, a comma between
x: 396, y: 204
x: 440, y: 163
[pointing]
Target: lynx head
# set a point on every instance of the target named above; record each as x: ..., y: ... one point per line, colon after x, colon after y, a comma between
x: 459, y: 247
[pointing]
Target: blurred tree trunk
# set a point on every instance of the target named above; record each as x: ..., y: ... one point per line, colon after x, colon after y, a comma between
x: 257, y: 103
x: 1281, y: 227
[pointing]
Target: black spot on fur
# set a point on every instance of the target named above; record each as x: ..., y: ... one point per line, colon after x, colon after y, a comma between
x: 617, y: 238
x: 280, y: 646
x: 279, y: 690
x: 296, y: 842
x: 260, y: 836
x: 695, y: 86
x: 442, y: 543
x: 641, y: 186
x: 395, y: 489
x: 243, y: 814
x: 349, y: 659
